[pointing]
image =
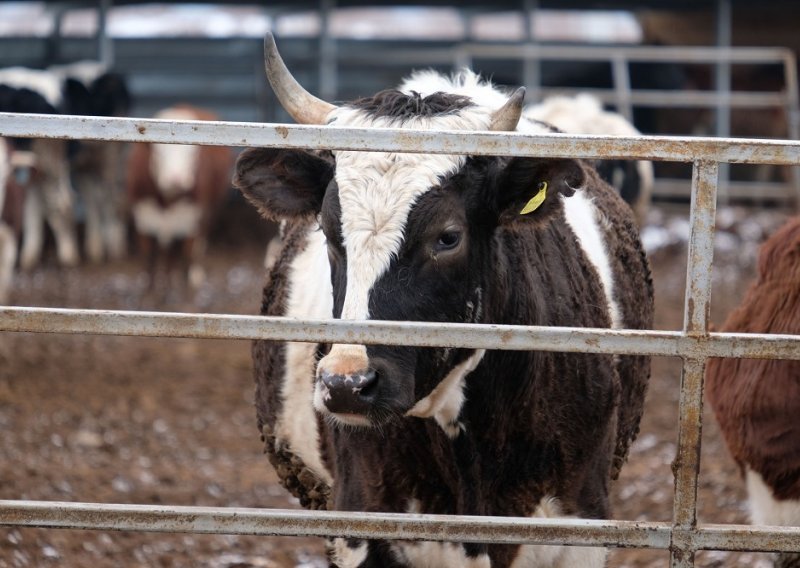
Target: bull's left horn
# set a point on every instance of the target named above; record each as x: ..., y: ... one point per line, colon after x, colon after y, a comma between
x: 506, y: 118
x: 301, y: 105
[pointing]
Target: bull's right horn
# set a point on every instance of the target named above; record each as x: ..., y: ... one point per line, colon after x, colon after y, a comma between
x: 301, y: 105
x: 506, y: 118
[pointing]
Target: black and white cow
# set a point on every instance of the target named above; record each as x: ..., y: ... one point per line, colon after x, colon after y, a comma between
x: 48, y: 194
x: 444, y: 238
x: 82, y: 88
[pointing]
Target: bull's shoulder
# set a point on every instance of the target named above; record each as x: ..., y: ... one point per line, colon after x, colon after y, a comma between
x: 294, y: 240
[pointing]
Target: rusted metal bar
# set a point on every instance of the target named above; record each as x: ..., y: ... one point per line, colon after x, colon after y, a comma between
x: 228, y: 520
x: 686, y: 465
x: 701, y: 246
x: 416, y: 334
x: 663, y: 54
x: 695, y: 323
x: 391, y: 526
x: 671, y: 148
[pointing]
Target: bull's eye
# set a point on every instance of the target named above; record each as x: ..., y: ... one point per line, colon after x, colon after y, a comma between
x: 448, y: 240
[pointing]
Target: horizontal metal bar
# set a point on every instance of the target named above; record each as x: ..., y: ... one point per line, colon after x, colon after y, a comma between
x: 686, y: 99
x: 159, y: 518
x: 505, y: 337
x: 670, y: 148
x: 744, y: 538
x: 390, y: 526
x: 660, y: 54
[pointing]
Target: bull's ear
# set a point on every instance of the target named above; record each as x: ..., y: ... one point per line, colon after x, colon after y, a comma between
x: 281, y: 183
x: 529, y: 189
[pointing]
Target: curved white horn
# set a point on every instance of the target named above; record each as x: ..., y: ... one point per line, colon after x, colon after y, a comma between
x: 301, y: 105
x: 506, y: 118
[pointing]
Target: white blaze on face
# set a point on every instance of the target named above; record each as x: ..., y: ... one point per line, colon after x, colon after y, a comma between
x: 174, y: 166
x: 377, y: 191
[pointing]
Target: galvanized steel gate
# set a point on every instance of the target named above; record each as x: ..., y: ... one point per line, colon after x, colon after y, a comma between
x: 694, y: 343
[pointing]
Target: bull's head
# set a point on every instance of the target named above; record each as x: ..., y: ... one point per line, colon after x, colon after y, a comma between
x: 408, y: 236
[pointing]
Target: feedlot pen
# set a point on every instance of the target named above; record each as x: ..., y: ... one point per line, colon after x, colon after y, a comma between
x: 694, y: 344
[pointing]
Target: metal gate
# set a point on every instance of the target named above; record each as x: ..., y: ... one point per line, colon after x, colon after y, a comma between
x: 694, y: 343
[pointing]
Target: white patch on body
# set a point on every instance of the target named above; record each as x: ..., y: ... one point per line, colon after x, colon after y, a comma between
x: 429, y: 554
x: 765, y: 509
x: 174, y: 166
x: 309, y: 298
x: 345, y: 557
x: 554, y: 556
x: 581, y: 215
x: 444, y: 402
x: 49, y: 85
x: 166, y: 224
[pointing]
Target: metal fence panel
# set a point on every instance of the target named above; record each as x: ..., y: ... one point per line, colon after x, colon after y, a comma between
x: 683, y: 537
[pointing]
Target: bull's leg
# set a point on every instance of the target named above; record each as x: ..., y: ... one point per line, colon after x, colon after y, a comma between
x: 8, y: 256
x: 33, y: 229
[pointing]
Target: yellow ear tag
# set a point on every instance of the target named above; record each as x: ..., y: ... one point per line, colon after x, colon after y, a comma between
x: 536, y: 200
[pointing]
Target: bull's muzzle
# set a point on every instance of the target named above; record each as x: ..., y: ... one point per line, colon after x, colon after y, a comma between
x: 348, y: 394
x: 346, y: 384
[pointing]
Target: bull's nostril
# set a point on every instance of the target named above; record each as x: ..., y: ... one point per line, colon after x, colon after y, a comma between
x: 369, y: 382
x: 349, y: 393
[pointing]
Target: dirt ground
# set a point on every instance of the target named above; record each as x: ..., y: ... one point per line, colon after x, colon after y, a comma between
x: 171, y: 421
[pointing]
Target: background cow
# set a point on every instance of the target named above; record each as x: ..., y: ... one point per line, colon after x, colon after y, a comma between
x: 8, y: 235
x: 174, y: 192
x: 49, y: 195
x: 757, y: 401
x: 82, y: 88
x: 584, y: 114
x: 374, y: 235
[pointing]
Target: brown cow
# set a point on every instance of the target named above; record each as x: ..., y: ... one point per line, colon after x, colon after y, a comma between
x: 757, y: 401
x: 174, y: 192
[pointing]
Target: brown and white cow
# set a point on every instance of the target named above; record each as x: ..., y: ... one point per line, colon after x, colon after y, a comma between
x: 445, y: 238
x: 757, y: 401
x: 174, y: 193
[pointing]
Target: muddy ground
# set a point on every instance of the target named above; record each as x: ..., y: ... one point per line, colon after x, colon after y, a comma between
x: 171, y: 421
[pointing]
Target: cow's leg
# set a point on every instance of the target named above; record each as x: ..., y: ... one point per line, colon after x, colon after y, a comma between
x: 8, y: 256
x: 32, y: 229
x: 93, y: 244
x: 113, y: 227
x: 60, y: 215
x: 195, y: 251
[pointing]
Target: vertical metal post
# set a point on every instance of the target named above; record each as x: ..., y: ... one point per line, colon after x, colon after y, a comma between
x: 105, y: 45
x: 622, y: 86
x: 793, y: 118
x: 722, y: 83
x: 53, y: 49
x: 532, y: 66
x: 685, y: 468
x: 328, y: 88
